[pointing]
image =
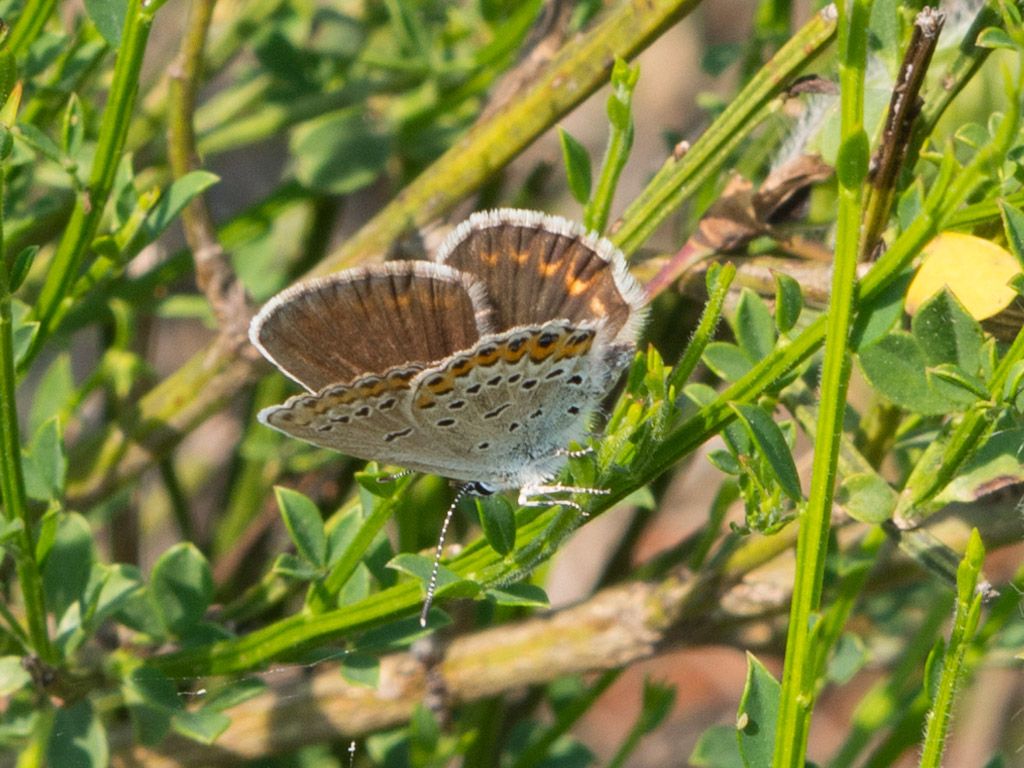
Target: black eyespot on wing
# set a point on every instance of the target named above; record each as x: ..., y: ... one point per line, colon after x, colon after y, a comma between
x: 497, y: 411
x: 555, y: 373
x: 573, y: 410
x: 456, y: 405
x: 537, y: 414
x: 577, y: 379
x: 545, y: 340
x: 392, y: 436
x: 473, y: 389
x: 363, y: 412
x: 387, y: 405
x: 445, y: 422
x: 529, y: 384
x: 514, y: 426
x: 514, y: 378
x: 494, y: 381
x: 483, y: 446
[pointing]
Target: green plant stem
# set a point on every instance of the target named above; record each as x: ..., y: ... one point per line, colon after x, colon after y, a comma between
x: 965, y: 623
x: 880, y: 706
x: 89, y: 208
x: 799, y: 672
x: 705, y: 332
x: 12, y: 481
x: 620, y: 141
x: 30, y: 23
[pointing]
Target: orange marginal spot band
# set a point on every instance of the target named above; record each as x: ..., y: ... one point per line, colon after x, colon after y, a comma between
x: 577, y: 346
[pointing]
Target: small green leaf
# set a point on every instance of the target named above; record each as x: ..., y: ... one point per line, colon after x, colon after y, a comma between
x: 152, y: 701
x: 896, y: 366
x: 717, y: 748
x: 54, y: 392
x: 910, y: 204
x: 758, y: 714
x: 947, y: 333
x: 951, y: 374
x: 377, y: 482
x: 577, y: 166
x: 182, y: 587
x: 993, y: 37
x: 624, y: 79
x: 8, y: 75
x: 77, y: 738
x: 361, y: 669
x: 175, y: 198
x: 867, y: 497
x: 339, y: 153
x: 726, y: 361
x: 108, y: 16
x: 772, y: 445
x: 22, y: 264
x: 725, y: 462
x: 13, y: 675
x: 202, y: 725
x: 45, y: 463
x: 68, y: 562
x: 24, y: 330
x: 304, y: 524
x: 72, y: 130
x: 754, y: 326
x: 1013, y: 225
x: 121, y: 582
x: 657, y: 704
x: 498, y: 520
x: 448, y: 583
x: 293, y: 567
x: 848, y: 658
x: 521, y: 595
x: 877, y: 317
x: 789, y: 302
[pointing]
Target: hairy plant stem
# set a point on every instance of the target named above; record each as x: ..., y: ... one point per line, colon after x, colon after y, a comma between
x: 799, y: 679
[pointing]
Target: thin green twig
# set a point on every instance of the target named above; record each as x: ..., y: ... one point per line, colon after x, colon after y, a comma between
x: 799, y: 673
x: 90, y: 206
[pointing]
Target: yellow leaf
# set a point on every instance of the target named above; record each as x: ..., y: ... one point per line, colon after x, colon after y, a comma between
x: 976, y: 271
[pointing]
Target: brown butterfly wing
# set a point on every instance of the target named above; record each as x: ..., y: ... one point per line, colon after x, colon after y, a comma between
x: 335, y: 329
x: 538, y: 268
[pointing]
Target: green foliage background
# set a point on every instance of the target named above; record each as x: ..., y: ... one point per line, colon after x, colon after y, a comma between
x: 152, y: 592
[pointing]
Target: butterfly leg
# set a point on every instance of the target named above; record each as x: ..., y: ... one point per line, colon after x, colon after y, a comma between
x: 542, y: 496
x: 579, y: 453
x: 394, y: 477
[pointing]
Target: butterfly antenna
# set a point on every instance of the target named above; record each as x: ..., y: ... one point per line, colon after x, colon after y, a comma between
x: 435, y: 570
